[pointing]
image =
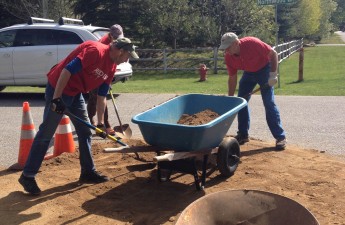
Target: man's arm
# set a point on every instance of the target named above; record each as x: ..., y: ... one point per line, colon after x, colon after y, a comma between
x: 61, y: 83
x: 273, y: 57
x: 232, y: 83
x: 101, y: 103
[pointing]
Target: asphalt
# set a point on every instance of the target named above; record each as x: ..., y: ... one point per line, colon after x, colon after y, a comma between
x: 309, y: 122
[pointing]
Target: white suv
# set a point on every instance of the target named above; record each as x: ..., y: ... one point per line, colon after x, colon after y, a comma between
x: 29, y: 51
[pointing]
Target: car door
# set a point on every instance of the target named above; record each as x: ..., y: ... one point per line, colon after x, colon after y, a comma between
x: 35, y: 52
x: 6, y: 56
x: 67, y: 42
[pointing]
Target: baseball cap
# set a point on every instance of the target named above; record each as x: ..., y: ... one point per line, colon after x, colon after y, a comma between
x: 227, y: 40
x: 126, y: 44
x: 116, y: 31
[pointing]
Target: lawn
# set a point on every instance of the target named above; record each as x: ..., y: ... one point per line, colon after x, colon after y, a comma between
x: 323, y: 73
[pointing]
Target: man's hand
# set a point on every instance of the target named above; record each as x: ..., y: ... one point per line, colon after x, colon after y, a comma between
x: 57, y: 105
x: 273, y: 79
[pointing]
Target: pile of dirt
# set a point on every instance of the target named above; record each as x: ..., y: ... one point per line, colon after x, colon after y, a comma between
x: 199, y: 118
x: 134, y: 195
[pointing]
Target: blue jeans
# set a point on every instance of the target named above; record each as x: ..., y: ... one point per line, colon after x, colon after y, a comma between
x: 246, y: 85
x: 51, y: 120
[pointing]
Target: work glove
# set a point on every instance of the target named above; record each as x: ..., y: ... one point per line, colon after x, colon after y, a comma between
x: 57, y: 105
x: 273, y: 79
x: 101, y: 131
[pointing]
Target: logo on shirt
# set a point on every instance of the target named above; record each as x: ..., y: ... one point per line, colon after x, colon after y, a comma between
x: 100, y: 74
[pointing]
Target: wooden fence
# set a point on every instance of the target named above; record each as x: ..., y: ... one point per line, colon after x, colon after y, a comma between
x: 168, y: 59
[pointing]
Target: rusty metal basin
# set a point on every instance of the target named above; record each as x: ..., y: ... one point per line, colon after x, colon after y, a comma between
x: 245, y: 207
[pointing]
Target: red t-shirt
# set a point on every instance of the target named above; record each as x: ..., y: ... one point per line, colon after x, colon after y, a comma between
x: 105, y: 39
x: 97, y: 68
x: 253, y: 56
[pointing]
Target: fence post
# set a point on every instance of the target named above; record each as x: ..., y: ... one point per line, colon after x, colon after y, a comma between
x: 278, y: 50
x: 215, y: 59
x: 300, y: 69
x: 165, y: 60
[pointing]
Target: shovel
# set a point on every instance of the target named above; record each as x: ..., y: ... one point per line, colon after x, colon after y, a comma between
x: 256, y: 90
x: 99, y: 132
x: 123, y: 131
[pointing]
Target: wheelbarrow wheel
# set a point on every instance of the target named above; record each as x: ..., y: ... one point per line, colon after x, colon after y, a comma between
x: 228, y: 156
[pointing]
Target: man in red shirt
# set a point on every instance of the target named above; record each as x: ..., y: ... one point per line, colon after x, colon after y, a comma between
x: 91, y: 65
x: 114, y: 33
x: 259, y: 63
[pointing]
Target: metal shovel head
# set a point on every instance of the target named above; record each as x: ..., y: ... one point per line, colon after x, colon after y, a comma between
x: 123, y: 131
x: 245, y: 207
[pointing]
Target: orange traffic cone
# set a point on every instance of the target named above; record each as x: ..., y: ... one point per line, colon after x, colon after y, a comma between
x: 27, y: 135
x: 63, y: 138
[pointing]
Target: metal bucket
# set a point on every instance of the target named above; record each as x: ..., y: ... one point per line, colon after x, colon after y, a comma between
x: 245, y: 207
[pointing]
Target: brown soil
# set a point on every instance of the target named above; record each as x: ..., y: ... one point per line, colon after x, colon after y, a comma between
x: 135, y: 196
x: 199, y: 118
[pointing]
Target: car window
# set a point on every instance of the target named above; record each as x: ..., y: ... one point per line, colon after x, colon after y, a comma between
x: 100, y: 33
x: 7, y: 38
x: 34, y: 37
x: 67, y: 37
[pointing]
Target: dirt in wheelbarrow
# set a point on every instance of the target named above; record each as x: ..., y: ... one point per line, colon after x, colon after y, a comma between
x: 135, y: 196
x: 199, y: 118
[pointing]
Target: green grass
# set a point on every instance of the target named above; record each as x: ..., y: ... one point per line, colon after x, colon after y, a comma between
x: 332, y: 39
x: 324, y: 75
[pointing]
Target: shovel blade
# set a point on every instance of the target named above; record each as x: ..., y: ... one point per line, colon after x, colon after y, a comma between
x: 123, y: 131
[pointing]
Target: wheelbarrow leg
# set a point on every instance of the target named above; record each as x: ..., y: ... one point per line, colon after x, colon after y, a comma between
x: 203, y: 175
x: 163, y: 174
x: 200, y: 182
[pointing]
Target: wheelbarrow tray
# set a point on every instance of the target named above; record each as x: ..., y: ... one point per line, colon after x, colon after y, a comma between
x: 159, y: 125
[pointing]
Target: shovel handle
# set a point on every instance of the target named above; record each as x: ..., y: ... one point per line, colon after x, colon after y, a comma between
x: 256, y: 90
x: 117, y: 113
x: 94, y: 128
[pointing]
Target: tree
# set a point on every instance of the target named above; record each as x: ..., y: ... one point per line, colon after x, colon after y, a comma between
x: 175, y: 19
x: 304, y: 18
x: 6, y: 18
x: 326, y: 27
x: 19, y: 11
x: 246, y: 18
x: 338, y: 16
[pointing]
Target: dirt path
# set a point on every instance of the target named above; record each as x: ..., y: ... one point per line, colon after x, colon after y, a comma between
x: 135, y: 196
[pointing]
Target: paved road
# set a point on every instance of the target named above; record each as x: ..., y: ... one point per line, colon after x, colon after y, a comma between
x: 341, y: 34
x: 310, y: 122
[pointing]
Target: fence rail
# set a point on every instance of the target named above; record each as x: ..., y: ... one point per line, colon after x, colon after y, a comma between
x: 168, y: 59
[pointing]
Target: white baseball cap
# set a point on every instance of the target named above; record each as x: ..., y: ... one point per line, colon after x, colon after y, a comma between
x: 227, y: 40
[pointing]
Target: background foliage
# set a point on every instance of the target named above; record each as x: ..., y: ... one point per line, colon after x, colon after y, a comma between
x: 189, y: 23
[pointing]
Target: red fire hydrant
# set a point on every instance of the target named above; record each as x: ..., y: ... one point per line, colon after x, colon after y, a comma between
x: 203, y: 72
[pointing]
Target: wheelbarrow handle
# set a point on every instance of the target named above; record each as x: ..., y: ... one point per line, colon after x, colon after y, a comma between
x: 94, y: 128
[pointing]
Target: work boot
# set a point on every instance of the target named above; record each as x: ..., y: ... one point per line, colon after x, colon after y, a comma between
x: 29, y: 184
x: 280, y: 144
x: 92, y: 177
x: 241, y: 139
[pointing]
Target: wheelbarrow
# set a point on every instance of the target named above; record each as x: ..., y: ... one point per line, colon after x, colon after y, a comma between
x: 252, y: 207
x: 187, y: 143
